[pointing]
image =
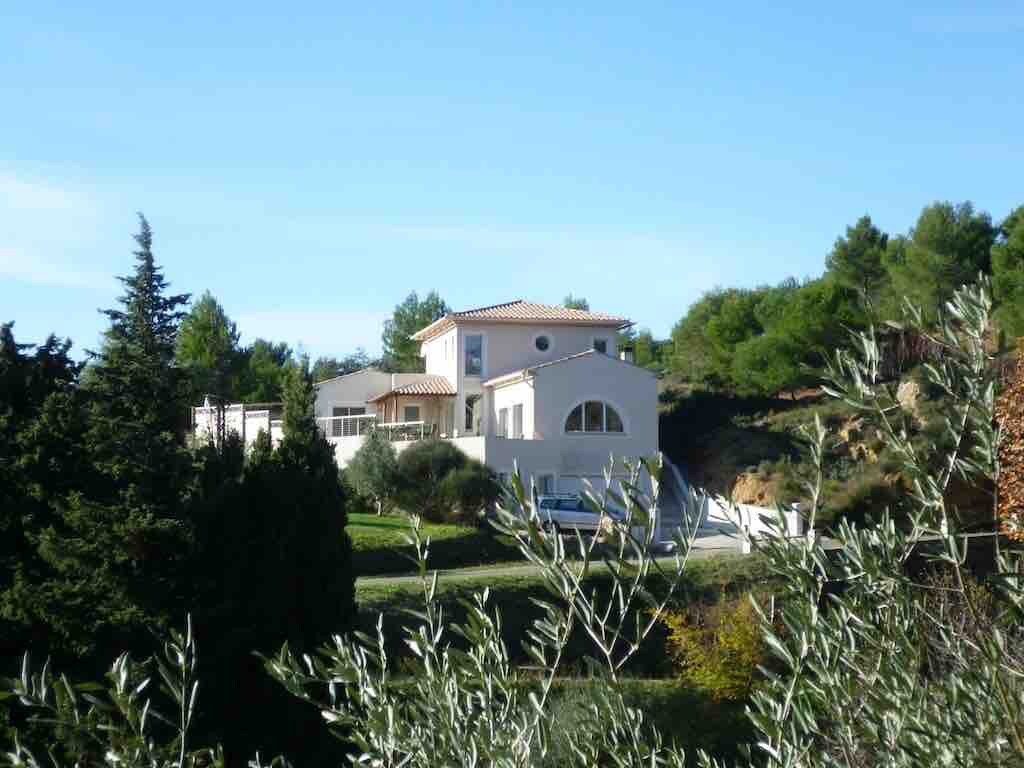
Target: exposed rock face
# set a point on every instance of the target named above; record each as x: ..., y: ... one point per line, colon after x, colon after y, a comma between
x: 749, y: 488
x: 853, y: 434
x: 851, y: 430
x: 909, y: 395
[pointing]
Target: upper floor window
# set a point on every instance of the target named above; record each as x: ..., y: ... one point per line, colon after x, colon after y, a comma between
x: 474, y: 354
x: 542, y: 343
x: 593, y: 416
x: 601, y: 345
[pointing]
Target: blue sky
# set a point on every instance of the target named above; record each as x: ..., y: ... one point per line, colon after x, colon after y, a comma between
x: 312, y: 164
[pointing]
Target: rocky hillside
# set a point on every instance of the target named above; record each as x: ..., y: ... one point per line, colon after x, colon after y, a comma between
x: 751, y: 449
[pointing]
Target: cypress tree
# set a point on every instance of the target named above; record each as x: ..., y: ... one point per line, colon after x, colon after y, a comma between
x: 277, y: 566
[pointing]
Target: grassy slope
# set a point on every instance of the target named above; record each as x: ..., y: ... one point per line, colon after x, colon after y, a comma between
x: 378, y: 546
x: 514, y: 595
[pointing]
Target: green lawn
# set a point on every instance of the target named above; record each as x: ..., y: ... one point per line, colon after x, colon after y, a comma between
x: 513, y: 595
x: 378, y: 546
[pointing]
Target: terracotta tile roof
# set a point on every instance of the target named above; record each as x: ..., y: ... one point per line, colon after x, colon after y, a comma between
x: 520, y: 311
x: 429, y: 385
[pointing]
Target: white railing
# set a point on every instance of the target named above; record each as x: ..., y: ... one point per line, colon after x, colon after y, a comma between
x: 357, y: 426
x: 346, y: 426
x: 408, y: 430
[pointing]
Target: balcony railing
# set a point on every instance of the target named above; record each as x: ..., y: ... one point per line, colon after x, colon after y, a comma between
x: 357, y: 426
x: 346, y: 426
x: 409, y: 430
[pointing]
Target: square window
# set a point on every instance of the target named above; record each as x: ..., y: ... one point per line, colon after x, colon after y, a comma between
x: 344, y: 427
x: 411, y: 413
x: 601, y: 345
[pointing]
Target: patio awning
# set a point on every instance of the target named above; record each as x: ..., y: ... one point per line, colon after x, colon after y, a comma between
x: 430, y: 385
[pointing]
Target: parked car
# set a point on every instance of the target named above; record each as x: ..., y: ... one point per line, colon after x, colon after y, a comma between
x: 569, y: 512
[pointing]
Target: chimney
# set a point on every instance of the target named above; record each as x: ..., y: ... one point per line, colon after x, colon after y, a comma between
x: 626, y: 354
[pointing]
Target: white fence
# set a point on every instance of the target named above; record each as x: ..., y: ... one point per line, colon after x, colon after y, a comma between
x: 755, y: 521
x: 210, y: 422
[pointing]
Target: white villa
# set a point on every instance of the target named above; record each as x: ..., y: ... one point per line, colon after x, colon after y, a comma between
x: 538, y: 384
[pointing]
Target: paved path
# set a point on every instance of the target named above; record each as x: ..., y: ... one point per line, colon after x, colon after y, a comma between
x: 706, y: 546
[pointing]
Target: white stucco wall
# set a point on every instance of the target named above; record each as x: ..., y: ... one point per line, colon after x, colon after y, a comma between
x: 519, y: 393
x: 351, y: 390
x: 631, y: 390
x: 509, y: 347
x: 555, y: 390
x: 441, y: 356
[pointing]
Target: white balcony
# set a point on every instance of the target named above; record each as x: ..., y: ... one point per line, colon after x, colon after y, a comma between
x: 338, y: 427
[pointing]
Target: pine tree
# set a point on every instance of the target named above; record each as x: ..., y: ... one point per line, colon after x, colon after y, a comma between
x: 207, y: 348
x: 137, y: 390
x: 856, y: 260
x: 401, y: 353
x: 115, y: 536
x: 1008, y: 273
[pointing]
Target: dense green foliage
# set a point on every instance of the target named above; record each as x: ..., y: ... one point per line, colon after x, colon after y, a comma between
x: 402, y: 353
x: 277, y: 562
x: 774, y: 339
x: 858, y: 259
x: 102, y: 508
x: 214, y: 362
x: 439, y: 482
x: 328, y: 367
x: 208, y: 351
x: 112, y: 528
x: 1008, y: 273
x: 948, y: 247
x: 576, y: 302
x: 373, y: 471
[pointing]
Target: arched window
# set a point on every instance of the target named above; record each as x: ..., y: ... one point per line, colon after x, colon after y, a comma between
x: 593, y: 416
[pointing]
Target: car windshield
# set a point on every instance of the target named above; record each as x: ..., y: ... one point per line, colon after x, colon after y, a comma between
x: 564, y: 505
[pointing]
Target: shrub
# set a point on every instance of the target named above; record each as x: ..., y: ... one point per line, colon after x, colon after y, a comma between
x: 865, y: 497
x: 373, y: 471
x: 718, y: 647
x: 422, y: 469
x: 468, y: 491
